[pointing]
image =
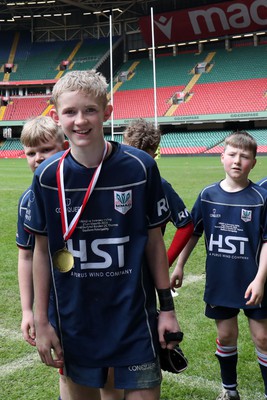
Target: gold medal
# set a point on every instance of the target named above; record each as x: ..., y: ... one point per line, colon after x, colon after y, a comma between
x: 63, y: 260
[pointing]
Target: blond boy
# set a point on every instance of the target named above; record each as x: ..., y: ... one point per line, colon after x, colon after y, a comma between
x: 41, y: 138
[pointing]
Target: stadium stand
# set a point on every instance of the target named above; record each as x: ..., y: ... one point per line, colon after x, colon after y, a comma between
x: 233, y: 83
x: 182, y: 143
x: 40, y: 61
x: 23, y: 108
x: 90, y: 53
x: 226, y: 97
x: 11, y: 148
x: 225, y: 88
x: 194, y: 142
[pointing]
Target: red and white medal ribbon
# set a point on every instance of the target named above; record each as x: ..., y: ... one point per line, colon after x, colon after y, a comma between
x: 68, y: 229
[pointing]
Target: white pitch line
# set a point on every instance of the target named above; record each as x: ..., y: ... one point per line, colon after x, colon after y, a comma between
x: 19, y: 364
x: 13, y: 366
x: 10, y: 334
x: 187, y: 281
x: 183, y: 379
x: 192, y: 279
x: 32, y: 358
x: 191, y: 381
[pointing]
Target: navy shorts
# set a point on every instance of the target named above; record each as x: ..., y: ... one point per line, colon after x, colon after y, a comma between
x: 142, y: 376
x: 218, y: 312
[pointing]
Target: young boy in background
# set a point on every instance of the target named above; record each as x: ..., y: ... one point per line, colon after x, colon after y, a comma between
x: 41, y: 138
x: 96, y: 215
x: 232, y: 214
x: 143, y: 135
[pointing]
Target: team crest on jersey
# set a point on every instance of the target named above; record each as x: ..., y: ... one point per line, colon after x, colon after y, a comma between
x: 123, y: 201
x: 246, y: 215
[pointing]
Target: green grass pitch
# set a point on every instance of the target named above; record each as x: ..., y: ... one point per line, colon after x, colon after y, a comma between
x: 24, y: 377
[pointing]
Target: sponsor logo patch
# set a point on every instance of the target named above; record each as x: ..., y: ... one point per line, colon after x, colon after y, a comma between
x: 246, y: 215
x: 123, y: 201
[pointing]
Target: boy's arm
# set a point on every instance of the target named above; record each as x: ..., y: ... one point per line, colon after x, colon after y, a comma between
x: 181, y: 237
x: 26, y: 294
x: 177, y: 274
x: 158, y: 265
x: 255, y: 290
x: 47, y: 341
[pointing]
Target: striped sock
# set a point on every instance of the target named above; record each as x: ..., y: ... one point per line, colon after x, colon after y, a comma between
x: 262, y: 360
x: 227, y: 357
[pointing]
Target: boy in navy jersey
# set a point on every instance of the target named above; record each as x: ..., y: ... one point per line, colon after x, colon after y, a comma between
x: 40, y: 138
x: 232, y: 214
x: 144, y: 135
x: 96, y: 212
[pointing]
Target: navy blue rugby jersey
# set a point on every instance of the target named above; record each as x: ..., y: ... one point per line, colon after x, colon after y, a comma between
x: 263, y: 183
x: 24, y: 239
x: 106, y: 305
x: 180, y: 216
x: 235, y: 226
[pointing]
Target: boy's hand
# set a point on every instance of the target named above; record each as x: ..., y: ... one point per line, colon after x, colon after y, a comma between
x: 167, y: 322
x: 254, y: 293
x: 177, y: 277
x: 48, y: 346
x: 28, y: 328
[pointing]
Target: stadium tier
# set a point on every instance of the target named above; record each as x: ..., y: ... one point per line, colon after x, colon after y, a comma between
x: 204, y: 142
x: 172, y: 144
x: 20, y: 109
x: 191, y: 142
x: 231, y: 82
x: 224, y: 88
x: 11, y: 148
x: 242, y: 96
x: 40, y: 61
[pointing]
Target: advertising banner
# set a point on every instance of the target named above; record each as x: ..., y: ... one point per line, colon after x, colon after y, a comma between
x: 206, y: 22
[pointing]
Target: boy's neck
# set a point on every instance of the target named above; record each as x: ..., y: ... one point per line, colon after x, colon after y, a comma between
x: 90, y: 157
x: 232, y: 186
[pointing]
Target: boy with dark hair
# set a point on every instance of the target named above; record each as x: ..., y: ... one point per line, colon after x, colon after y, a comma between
x: 233, y: 216
x: 144, y: 135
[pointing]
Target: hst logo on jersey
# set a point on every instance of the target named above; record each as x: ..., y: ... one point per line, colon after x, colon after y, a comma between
x: 108, y: 251
x: 123, y: 201
x: 246, y: 215
x: 228, y: 244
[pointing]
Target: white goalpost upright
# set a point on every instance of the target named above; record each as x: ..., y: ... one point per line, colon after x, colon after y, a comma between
x: 154, y: 72
x: 154, y: 69
x: 111, y: 74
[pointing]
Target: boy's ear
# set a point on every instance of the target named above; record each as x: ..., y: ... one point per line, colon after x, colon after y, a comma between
x: 254, y: 163
x: 53, y: 114
x: 108, y: 111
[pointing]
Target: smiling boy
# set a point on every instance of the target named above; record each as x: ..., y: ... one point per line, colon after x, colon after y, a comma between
x: 105, y: 263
